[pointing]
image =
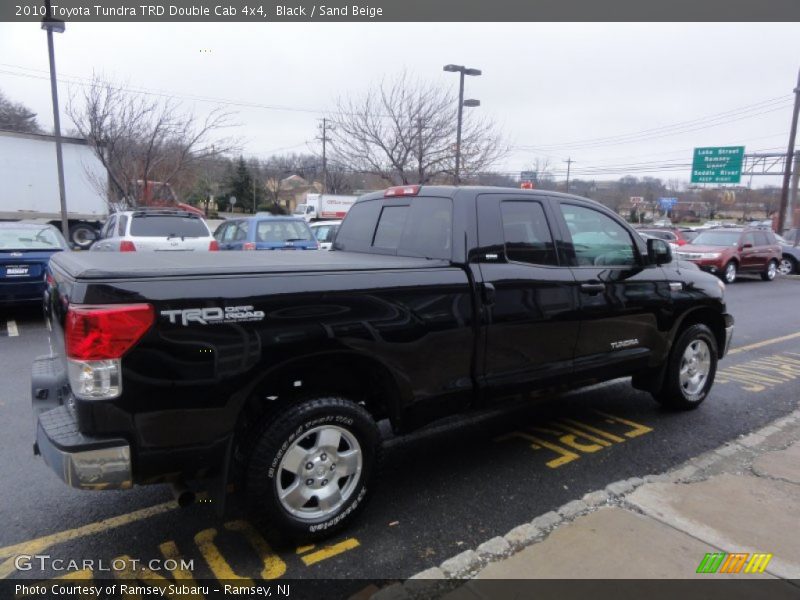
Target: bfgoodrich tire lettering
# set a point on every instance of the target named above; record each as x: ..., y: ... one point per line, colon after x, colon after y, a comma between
x: 311, y: 469
x: 691, y: 369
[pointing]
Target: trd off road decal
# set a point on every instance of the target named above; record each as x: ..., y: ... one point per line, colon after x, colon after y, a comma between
x: 213, y: 315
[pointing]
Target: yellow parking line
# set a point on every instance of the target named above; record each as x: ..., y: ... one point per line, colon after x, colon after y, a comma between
x: 315, y: 557
x: 40, y: 544
x: 756, y: 345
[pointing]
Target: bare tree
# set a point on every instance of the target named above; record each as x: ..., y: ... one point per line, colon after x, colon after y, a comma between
x: 140, y: 138
x: 17, y: 117
x: 404, y: 131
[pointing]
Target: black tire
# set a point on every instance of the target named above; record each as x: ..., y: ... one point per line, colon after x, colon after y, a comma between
x: 788, y: 265
x: 729, y: 272
x: 674, y: 394
x: 82, y: 235
x: 297, y: 430
x: 772, y: 271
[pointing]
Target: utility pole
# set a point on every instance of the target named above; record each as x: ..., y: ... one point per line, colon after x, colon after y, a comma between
x: 51, y: 24
x: 787, y: 173
x: 419, y: 149
x: 324, y: 139
x: 569, y: 162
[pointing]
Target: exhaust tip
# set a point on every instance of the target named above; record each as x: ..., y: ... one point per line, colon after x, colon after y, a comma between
x: 182, y: 494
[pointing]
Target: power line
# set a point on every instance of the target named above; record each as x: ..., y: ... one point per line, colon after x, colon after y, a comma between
x: 770, y: 104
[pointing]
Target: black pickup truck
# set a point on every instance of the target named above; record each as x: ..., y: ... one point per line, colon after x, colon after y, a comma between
x: 274, y: 367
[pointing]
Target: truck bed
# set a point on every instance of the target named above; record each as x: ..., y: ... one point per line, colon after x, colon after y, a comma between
x: 105, y: 266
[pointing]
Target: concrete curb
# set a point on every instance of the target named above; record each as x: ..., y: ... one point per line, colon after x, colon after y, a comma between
x: 435, y: 581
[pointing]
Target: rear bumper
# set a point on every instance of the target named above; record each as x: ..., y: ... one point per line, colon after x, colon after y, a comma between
x: 21, y: 292
x: 80, y: 461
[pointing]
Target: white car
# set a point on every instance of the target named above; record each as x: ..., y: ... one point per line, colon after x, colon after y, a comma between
x: 325, y: 232
x: 159, y: 230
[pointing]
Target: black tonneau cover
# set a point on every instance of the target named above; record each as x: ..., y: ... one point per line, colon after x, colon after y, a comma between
x: 125, y: 265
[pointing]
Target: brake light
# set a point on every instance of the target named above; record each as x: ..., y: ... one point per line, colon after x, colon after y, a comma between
x: 213, y: 246
x: 96, y: 332
x: 401, y: 190
x: 249, y: 246
x: 96, y: 338
x: 682, y: 242
x: 127, y: 246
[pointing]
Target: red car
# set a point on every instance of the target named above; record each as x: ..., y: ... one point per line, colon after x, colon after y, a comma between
x: 727, y: 252
x: 669, y: 234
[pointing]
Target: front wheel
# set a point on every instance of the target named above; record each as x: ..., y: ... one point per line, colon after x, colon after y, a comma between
x: 310, y: 469
x: 729, y: 272
x: 771, y: 272
x: 691, y: 369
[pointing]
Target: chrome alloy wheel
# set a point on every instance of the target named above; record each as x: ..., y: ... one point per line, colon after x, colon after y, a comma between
x: 786, y: 267
x: 772, y: 270
x: 319, y: 472
x: 730, y: 272
x: 695, y: 367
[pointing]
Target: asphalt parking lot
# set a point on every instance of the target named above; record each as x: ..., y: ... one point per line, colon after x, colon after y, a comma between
x: 442, y: 490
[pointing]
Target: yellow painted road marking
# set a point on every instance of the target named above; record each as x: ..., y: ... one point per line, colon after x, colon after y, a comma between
x: 777, y: 340
x: 605, y: 434
x: 761, y: 373
x: 637, y: 428
x: 13, y: 330
x: 330, y: 551
x: 41, y: 544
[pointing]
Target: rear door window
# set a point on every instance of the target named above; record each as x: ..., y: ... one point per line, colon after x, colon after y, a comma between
x: 762, y: 238
x: 167, y: 226
x: 527, y: 234
x: 419, y: 226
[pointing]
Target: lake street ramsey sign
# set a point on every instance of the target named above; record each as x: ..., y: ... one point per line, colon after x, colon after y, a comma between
x: 722, y: 164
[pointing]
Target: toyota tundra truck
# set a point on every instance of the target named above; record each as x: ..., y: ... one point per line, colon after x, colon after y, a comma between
x: 272, y: 370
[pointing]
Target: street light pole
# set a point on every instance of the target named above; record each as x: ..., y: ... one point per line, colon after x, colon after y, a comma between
x: 457, y: 177
x: 462, y: 71
x: 49, y: 24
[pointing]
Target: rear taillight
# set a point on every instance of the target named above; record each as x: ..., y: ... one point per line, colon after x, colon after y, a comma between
x: 127, y: 246
x: 249, y: 246
x: 401, y: 190
x: 97, y: 336
x: 213, y: 246
x: 682, y: 242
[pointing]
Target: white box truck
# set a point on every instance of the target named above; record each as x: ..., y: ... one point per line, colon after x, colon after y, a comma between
x: 30, y: 183
x: 324, y: 206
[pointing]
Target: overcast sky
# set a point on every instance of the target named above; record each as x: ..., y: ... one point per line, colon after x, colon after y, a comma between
x: 550, y: 87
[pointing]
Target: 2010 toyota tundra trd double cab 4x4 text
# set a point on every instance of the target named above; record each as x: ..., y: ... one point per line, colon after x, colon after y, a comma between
x: 277, y: 366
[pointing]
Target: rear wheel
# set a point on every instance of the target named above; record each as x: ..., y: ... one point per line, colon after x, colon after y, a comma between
x: 771, y: 272
x: 310, y: 469
x: 729, y: 272
x: 82, y: 235
x: 787, y: 265
x: 691, y: 369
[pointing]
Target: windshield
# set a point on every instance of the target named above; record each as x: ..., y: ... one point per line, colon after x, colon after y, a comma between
x: 717, y: 238
x: 300, y: 210
x: 29, y: 238
x: 283, y: 231
x: 167, y: 226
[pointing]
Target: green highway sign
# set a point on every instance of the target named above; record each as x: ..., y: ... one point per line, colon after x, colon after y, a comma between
x: 717, y: 165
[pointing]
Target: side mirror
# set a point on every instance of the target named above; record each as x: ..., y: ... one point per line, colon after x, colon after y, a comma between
x: 659, y: 252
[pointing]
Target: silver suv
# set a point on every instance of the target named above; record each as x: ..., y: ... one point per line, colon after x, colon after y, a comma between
x: 160, y: 230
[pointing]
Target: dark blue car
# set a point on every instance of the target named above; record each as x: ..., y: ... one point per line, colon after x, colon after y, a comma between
x: 265, y: 232
x: 25, y: 250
